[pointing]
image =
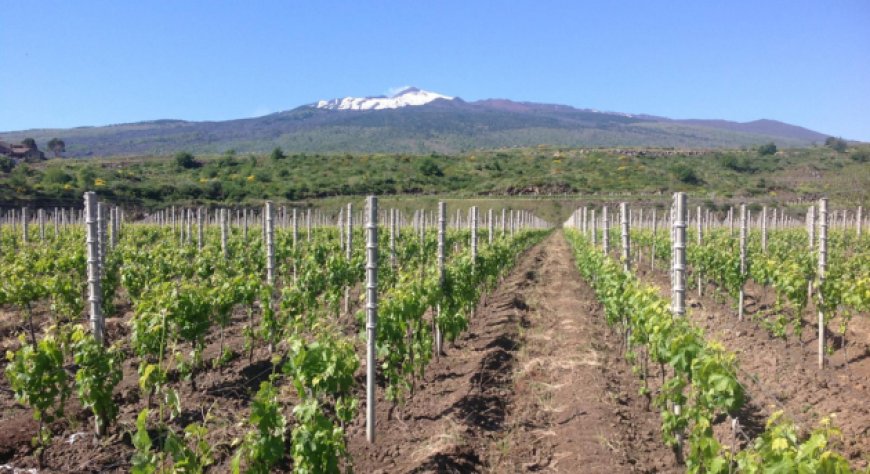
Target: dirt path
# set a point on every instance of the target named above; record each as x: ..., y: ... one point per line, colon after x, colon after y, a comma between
x: 534, y: 385
x: 576, y: 401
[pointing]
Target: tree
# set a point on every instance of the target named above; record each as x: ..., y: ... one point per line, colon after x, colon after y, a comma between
x: 6, y: 163
x: 686, y: 174
x: 429, y: 168
x: 767, y: 149
x: 57, y: 146
x: 29, y: 143
x: 185, y: 160
x: 837, y: 144
x: 278, y: 154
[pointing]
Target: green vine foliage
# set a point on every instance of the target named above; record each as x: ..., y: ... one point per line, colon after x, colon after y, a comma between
x: 318, y: 445
x: 99, y: 371
x: 703, y: 383
x: 189, y: 453
x: 263, y: 447
x: 38, y: 379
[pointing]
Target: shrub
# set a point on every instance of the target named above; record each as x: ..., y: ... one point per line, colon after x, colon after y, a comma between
x: 837, y: 144
x: 686, y: 174
x: 278, y: 154
x: 861, y: 156
x: 767, y: 149
x: 56, y: 175
x: 6, y: 164
x: 185, y: 160
x: 429, y: 168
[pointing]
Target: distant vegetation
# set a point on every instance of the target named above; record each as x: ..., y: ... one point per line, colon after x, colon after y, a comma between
x: 783, y: 176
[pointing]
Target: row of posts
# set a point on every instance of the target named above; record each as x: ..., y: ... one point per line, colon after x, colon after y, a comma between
x: 680, y: 221
x: 768, y: 219
x: 345, y: 221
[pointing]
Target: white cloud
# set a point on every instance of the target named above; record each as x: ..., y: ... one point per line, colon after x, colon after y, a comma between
x: 395, y: 90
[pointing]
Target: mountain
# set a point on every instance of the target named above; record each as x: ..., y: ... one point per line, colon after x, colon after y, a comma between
x: 418, y: 121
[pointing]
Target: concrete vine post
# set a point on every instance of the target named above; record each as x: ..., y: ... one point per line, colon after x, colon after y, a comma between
x: 340, y: 226
x: 295, y: 222
x: 823, y: 268
x: 24, y: 224
x: 473, y: 223
x: 489, y: 227
x: 349, y: 229
x: 638, y: 254
x: 743, y: 232
x: 652, y: 250
x: 393, y: 239
x: 503, y: 223
x: 371, y: 311
x: 95, y: 309
x: 245, y: 224
x: 421, y: 228
x: 764, y: 229
x: 223, y: 225
x: 113, y: 240
x: 295, y: 231
x: 270, y: 242
x: 101, y: 235
x: 731, y: 221
x: 594, y: 229
x: 626, y: 238
x: 442, y: 231
x: 859, y: 221
x: 308, y: 224
x: 678, y: 292
x: 700, y: 243
x: 187, y: 238
x: 605, y: 239
x: 199, y: 218
x: 40, y: 215
x: 348, y: 252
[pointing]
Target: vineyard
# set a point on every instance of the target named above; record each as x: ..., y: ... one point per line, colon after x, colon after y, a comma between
x: 282, y: 339
x: 231, y: 347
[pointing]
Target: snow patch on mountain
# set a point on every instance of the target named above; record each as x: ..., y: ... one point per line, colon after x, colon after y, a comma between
x: 404, y: 98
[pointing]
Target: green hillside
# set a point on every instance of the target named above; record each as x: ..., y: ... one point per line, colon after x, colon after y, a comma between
x: 724, y: 176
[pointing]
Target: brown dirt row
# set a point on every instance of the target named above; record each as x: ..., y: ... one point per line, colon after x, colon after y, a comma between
x: 533, y: 385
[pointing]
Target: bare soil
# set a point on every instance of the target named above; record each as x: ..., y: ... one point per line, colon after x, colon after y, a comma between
x: 533, y: 385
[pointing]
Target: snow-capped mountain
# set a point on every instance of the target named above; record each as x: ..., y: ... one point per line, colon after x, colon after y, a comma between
x: 406, y: 97
x: 437, y: 123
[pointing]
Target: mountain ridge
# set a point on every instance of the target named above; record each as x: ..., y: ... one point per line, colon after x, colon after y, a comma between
x: 418, y: 121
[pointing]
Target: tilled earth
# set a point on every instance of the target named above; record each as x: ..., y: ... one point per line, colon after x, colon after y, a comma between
x: 536, y: 384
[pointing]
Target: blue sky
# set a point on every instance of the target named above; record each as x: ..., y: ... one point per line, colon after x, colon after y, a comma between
x: 65, y: 63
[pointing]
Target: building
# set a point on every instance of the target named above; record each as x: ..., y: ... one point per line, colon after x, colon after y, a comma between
x: 21, y: 151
